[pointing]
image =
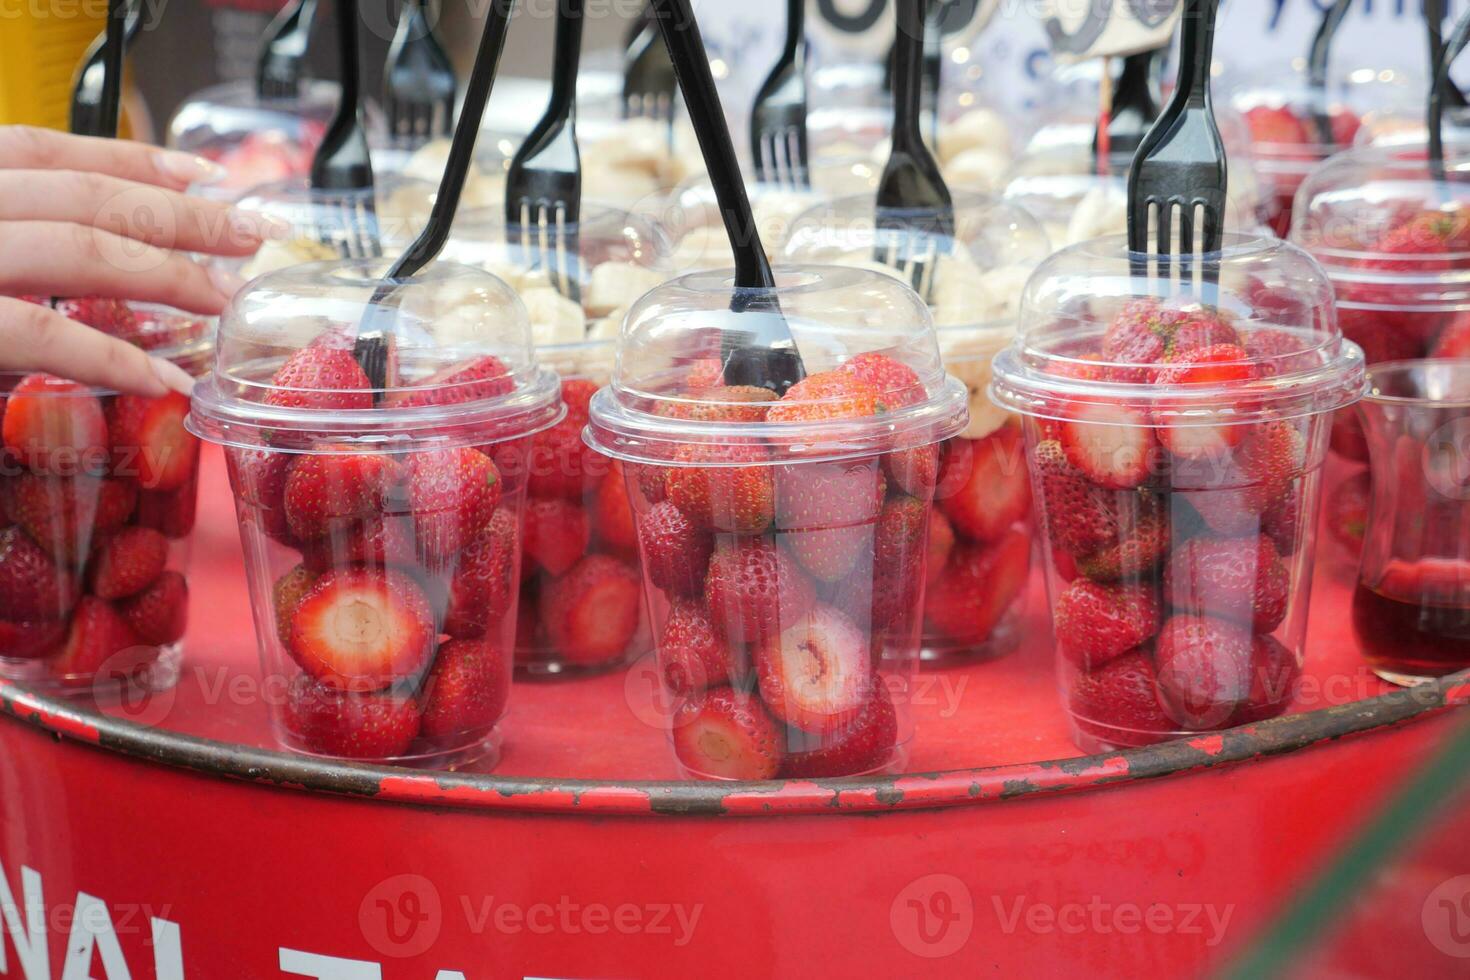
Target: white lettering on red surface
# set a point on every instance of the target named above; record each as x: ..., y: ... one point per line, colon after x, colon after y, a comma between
x: 28, y: 934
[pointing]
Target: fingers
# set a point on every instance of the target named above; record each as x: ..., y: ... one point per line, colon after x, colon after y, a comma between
x: 157, y: 216
x: 57, y: 259
x: 37, y: 338
x: 31, y: 148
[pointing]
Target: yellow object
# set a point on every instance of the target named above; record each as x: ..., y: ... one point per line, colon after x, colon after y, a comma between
x: 41, y: 43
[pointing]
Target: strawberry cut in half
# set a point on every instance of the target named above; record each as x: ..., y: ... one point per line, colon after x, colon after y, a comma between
x: 327, y: 721
x: 1111, y: 445
x: 1202, y: 432
x: 362, y: 630
x: 978, y: 587
x: 998, y: 491
x: 100, y: 645
x: 556, y: 535
x: 816, y: 673
x: 727, y: 735
x: 55, y: 427
x: 592, y: 613
x: 149, y: 441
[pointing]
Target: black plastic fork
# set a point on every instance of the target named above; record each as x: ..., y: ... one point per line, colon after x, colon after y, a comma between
x: 649, y: 82
x: 1317, y: 58
x: 1439, y: 100
x: 342, y: 162
x: 86, y: 93
x: 1453, y: 97
x: 419, y: 84
x: 1179, y: 169
x: 1135, y: 106
x: 915, y: 213
x: 283, y: 51
x: 778, y: 135
x: 543, y: 189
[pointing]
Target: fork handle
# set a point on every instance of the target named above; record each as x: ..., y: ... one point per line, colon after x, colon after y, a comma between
x: 276, y: 60
x: 1452, y: 49
x: 331, y: 168
x: 908, y: 70
x: 565, y: 59
x: 1196, y: 40
x: 795, y: 29
x: 112, y: 69
x: 1434, y: 26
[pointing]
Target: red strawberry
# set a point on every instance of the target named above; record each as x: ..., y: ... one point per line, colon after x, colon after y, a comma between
x: 258, y: 477
x: 1345, y: 125
x: 715, y: 494
x: 149, y: 440
x: 1274, y: 673
x: 1208, y: 432
x: 286, y: 595
x: 1347, y: 439
x: 1271, y: 457
x: 1119, y: 702
x: 940, y: 544
x: 99, y: 643
x: 171, y: 513
x: 559, y: 464
x: 896, y: 383
x: 116, y: 502
x: 1239, y: 579
x: 28, y: 639
x: 1275, y: 352
x: 825, y: 513
x: 1096, y: 622
x: 1281, y: 521
x: 126, y: 562
x: 1138, y: 551
x: 707, y: 372
x: 331, y: 722
x: 754, y: 591
x: 1204, y: 670
x: 453, y: 493
x: 481, y: 590
x: 914, y: 471
x: 112, y: 316
x: 978, y: 587
x: 333, y: 488
x: 1347, y: 511
x: 556, y: 535
x: 613, y: 513
x: 60, y: 514
x: 466, y: 691
x: 361, y: 630
x: 864, y: 745
x: 481, y: 377
x: 1080, y: 518
x: 1276, y: 124
x: 651, y: 480
x: 31, y: 586
x: 815, y: 674
x: 376, y: 541
x: 1424, y: 234
x: 56, y: 427
x: 576, y: 394
x: 998, y: 492
x: 675, y: 551
x: 1454, y: 340
x: 1381, y: 334
x: 740, y: 403
x: 901, y: 543
x: 160, y: 613
x: 825, y: 397
x: 1146, y: 332
x: 690, y: 656
x: 1112, y: 445
x: 321, y: 377
x: 592, y: 613
x: 727, y: 735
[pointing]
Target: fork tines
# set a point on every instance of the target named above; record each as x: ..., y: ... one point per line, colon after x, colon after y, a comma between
x: 649, y: 87
x: 419, y: 81
x: 547, y: 235
x: 911, y: 241
x: 783, y: 158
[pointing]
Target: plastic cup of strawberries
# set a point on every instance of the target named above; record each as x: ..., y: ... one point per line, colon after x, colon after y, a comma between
x: 980, y: 533
x: 380, y: 528
x: 97, y: 498
x: 1175, y: 431
x: 782, y: 538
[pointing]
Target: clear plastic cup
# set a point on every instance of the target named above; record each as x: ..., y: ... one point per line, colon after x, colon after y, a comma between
x: 579, y: 549
x: 97, y: 501
x: 980, y: 529
x: 1175, y: 431
x: 380, y: 525
x: 782, y: 541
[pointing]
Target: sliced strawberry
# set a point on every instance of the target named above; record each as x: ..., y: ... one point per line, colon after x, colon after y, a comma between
x: 32, y: 587
x: 481, y: 377
x: 99, y: 644
x: 896, y: 383
x: 863, y: 746
x: 160, y: 613
x: 1140, y: 548
x: 55, y: 427
x: 1204, y: 669
x: 1119, y: 702
x: 28, y: 639
x: 978, y: 587
x: 149, y: 441
x: 453, y: 493
x: 1239, y: 579
x: 1112, y: 445
x: 1207, y: 432
x: 727, y: 735
x: 825, y: 512
x: 376, y: 541
x: 258, y: 477
x: 1274, y: 672
x: 940, y: 543
x: 1276, y: 124
x: 690, y: 655
x: 755, y: 591
x: 362, y: 630
x: 675, y: 551
x: 286, y: 595
x: 484, y: 581
x: 592, y: 613
x: 556, y: 535
x: 826, y: 396
x: 559, y: 464
x: 321, y: 377
x: 714, y: 490
x: 466, y: 691
x: 1096, y: 622
x: 327, y: 721
x: 333, y: 488
x: 612, y: 514
x: 998, y: 491
x: 126, y: 562
x: 816, y: 673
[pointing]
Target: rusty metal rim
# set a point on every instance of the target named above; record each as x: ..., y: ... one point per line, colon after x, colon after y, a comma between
x: 870, y: 795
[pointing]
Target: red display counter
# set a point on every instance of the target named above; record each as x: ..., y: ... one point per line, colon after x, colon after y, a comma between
x: 168, y: 838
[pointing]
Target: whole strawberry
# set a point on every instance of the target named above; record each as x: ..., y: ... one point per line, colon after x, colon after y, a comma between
x: 320, y: 377
x: 675, y: 551
x: 481, y: 377
x: 690, y: 656
x: 32, y: 587
x: 55, y: 427
x: 322, y: 490
x: 825, y: 513
x: 1274, y: 672
x: 1239, y: 579
x: 160, y: 613
x: 1141, y: 546
x: 466, y: 691
x: 754, y: 590
x: 826, y: 396
x: 1204, y: 670
x: 896, y: 383
x: 480, y: 592
x: 864, y: 745
x: 453, y: 494
x: 1119, y: 702
x: 100, y: 644
x: 723, y: 487
x: 1096, y: 622
x: 330, y: 722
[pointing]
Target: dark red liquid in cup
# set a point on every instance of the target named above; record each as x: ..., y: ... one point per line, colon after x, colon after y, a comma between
x: 1415, y: 621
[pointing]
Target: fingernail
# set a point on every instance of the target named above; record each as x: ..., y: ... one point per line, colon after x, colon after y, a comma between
x: 227, y: 282
x: 187, y: 167
x: 257, y: 226
x: 173, y: 377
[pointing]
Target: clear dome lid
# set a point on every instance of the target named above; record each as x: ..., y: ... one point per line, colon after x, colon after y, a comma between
x: 484, y: 186
x: 1389, y: 233
x: 460, y: 367
x: 1093, y: 332
x: 667, y: 393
